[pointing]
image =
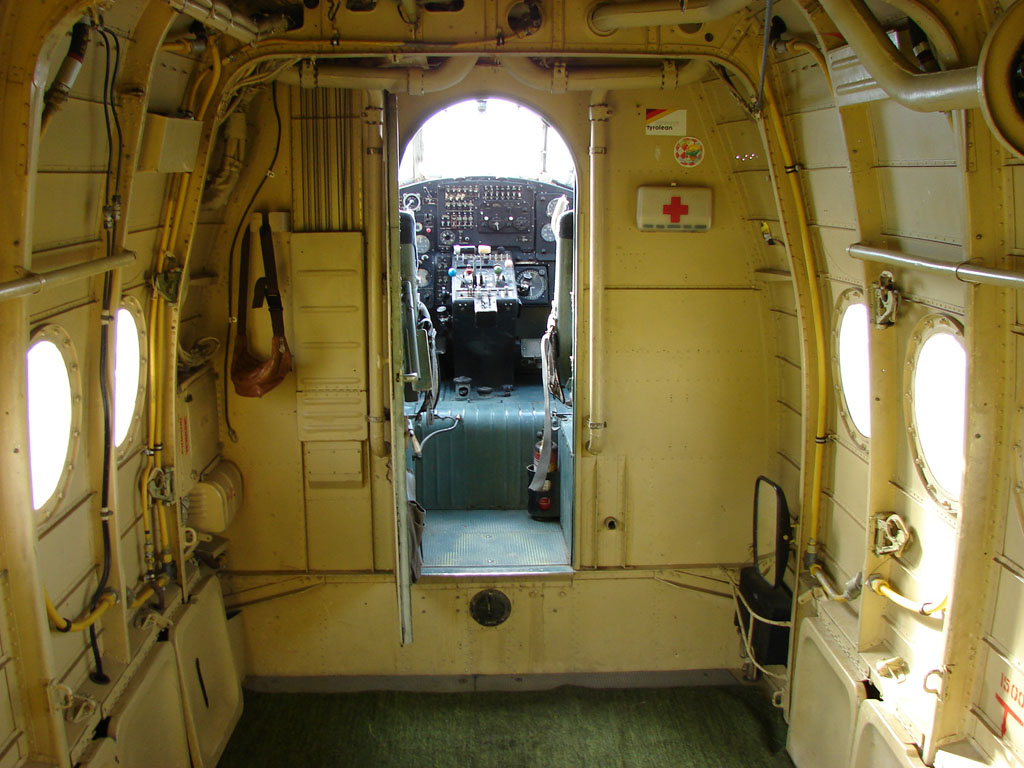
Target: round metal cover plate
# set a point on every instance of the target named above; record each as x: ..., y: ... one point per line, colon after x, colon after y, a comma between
x: 490, y: 607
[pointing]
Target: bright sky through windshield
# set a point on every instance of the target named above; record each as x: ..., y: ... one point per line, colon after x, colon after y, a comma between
x: 486, y: 137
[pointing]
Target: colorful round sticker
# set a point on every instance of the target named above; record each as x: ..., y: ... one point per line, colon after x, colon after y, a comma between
x: 689, y: 151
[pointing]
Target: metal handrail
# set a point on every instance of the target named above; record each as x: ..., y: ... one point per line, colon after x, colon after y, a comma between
x: 964, y: 271
x: 34, y: 283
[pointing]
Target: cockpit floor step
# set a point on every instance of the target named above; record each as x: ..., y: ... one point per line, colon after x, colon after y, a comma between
x: 492, y: 539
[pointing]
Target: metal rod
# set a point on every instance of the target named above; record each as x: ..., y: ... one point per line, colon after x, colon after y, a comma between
x: 964, y: 271
x: 27, y: 286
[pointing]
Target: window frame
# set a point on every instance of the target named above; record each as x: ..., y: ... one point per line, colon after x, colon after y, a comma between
x: 61, y: 339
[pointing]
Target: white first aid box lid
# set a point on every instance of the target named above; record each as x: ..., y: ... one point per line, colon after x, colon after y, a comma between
x: 673, y: 209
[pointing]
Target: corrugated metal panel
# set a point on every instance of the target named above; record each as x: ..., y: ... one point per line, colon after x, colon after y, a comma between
x: 482, y: 463
x: 328, y: 298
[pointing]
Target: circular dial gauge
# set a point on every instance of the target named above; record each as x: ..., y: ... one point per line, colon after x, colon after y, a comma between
x: 422, y: 277
x: 422, y: 243
x: 547, y: 233
x: 447, y: 237
x: 551, y: 206
x: 411, y: 201
x: 531, y: 283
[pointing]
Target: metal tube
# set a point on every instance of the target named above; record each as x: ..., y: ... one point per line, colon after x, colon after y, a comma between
x: 609, y: 17
x: 374, y: 215
x: 922, y: 92
x: 27, y: 286
x: 219, y: 16
x: 413, y: 80
x: 666, y: 76
x: 964, y: 272
x: 599, y: 116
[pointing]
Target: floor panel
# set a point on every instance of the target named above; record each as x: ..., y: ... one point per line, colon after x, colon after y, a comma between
x: 491, y: 538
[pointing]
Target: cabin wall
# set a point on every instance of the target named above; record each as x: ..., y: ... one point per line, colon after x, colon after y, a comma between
x: 670, y: 344
x: 708, y: 383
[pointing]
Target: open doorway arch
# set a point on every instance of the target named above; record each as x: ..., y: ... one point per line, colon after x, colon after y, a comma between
x: 487, y: 191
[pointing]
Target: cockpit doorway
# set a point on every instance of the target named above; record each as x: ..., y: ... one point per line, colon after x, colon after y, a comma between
x: 486, y: 200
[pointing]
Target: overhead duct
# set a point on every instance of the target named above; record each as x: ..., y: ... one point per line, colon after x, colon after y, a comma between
x: 411, y: 80
x: 609, y: 17
x: 922, y: 92
x: 560, y: 79
x: 988, y: 86
x: 220, y: 16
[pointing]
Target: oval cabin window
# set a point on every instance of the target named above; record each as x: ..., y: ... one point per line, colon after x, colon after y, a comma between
x: 854, y: 366
x: 938, y: 395
x: 50, y: 414
x: 127, y: 371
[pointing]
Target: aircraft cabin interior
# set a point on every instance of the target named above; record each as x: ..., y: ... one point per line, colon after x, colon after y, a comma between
x: 512, y: 382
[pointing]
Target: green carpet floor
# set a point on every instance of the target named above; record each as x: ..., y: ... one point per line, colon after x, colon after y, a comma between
x: 700, y: 727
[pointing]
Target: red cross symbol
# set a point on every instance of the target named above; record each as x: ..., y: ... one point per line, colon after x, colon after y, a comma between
x: 675, y: 209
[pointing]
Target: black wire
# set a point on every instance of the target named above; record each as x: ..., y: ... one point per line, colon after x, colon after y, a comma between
x: 109, y: 76
x: 113, y: 109
x: 231, y: 259
x: 106, y: 113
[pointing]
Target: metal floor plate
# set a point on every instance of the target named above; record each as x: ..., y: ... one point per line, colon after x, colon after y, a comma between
x: 455, y: 541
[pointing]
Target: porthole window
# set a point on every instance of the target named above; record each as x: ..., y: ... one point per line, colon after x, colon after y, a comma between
x: 852, y: 366
x: 54, y: 405
x: 936, y: 386
x: 129, y: 359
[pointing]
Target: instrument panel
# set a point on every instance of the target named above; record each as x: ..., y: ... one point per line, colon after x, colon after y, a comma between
x: 514, y: 214
x: 504, y: 220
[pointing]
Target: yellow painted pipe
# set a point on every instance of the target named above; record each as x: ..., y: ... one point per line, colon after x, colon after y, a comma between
x: 882, y: 587
x: 169, y: 236
x: 148, y: 592
x: 817, y: 321
x: 83, y: 622
x: 184, y: 47
x: 797, y: 46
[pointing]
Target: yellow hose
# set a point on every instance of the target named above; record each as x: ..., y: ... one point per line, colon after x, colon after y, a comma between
x: 797, y: 46
x: 215, y: 69
x: 84, y: 621
x: 184, y: 47
x: 882, y: 587
x: 168, y: 238
x: 817, y: 322
x: 148, y: 592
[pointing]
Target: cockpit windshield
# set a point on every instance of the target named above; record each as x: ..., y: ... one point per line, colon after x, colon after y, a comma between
x: 487, y: 137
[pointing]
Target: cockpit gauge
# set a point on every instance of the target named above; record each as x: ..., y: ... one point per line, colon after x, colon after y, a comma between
x: 411, y: 201
x: 422, y: 277
x: 551, y: 205
x: 447, y: 237
x: 422, y: 243
x: 547, y: 233
x: 531, y: 283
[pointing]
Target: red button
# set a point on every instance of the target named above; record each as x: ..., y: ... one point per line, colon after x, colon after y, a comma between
x: 544, y: 503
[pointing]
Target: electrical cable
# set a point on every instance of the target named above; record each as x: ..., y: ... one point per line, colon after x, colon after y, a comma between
x: 759, y: 101
x: 231, y: 259
x: 113, y: 173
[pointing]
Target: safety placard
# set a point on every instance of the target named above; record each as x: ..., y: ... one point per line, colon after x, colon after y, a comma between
x: 665, y: 122
x: 680, y: 209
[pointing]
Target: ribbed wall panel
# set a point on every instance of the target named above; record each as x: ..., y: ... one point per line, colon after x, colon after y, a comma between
x: 482, y: 463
